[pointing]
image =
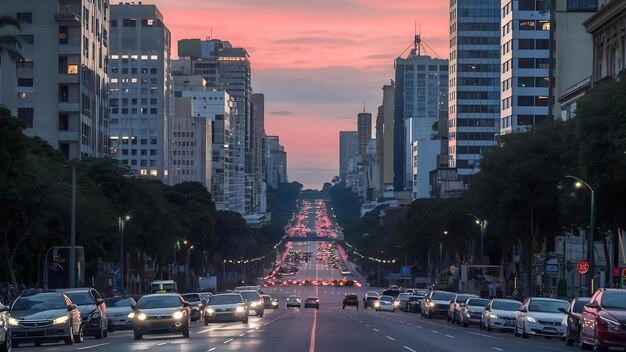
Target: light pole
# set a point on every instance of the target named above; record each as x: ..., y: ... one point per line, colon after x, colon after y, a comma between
x: 592, y: 224
x: 72, y: 263
x: 187, y: 266
x: 483, y: 227
x: 121, y: 221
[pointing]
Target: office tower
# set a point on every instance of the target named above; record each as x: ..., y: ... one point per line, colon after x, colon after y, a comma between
x: 474, y: 88
x: 228, y: 68
x: 388, y: 135
x: 525, y: 77
x: 364, y: 130
x: 276, y: 162
x: 421, y: 89
x: 140, y: 88
x: 61, y: 90
x: 257, y: 136
x: 348, y: 149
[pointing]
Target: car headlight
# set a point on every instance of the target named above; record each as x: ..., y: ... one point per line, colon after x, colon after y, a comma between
x: 14, y: 322
x: 60, y: 320
x: 274, y: 303
x: 95, y: 315
x: 178, y: 315
x: 431, y: 304
x: 131, y: 315
x: 531, y: 319
x: 253, y: 304
x: 612, y: 324
x: 240, y: 309
x: 210, y: 311
x: 492, y: 316
x: 142, y: 316
x: 376, y: 304
x: 396, y: 303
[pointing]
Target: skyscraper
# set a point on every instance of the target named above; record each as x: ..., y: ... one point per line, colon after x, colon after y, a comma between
x: 388, y: 135
x: 140, y: 88
x: 474, y: 104
x: 276, y: 162
x: 525, y: 64
x: 364, y: 130
x: 348, y: 149
x: 61, y: 90
x: 257, y: 135
x: 420, y: 94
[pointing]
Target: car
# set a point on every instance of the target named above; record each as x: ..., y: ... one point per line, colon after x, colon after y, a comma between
x: 254, y: 302
x: 93, y: 311
x: 45, y: 317
x: 371, y: 297
x: 402, y: 302
x: 541, y: 317
x: 436, y: 303
x: 455, y: 307
x: 500, y: 314
x: 206, y: 296
x: 472, y: 311
x: 312, y: 302
x: 269, y: 303
x: 293, y: 301
x: 256, y: 288
x: 226, y: 307
x: 415, y: 302
x: 392, y: 291
x: 119, y: 308
x: 196, y: 304
x: 161, y: 313
x: 5, y: 329
x: 350, y: 299
x: 385, y: 303
x: 573, y: 314
x: 604, y: 320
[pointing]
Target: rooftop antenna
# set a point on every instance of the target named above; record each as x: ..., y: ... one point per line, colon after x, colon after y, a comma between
x: 363, y: 105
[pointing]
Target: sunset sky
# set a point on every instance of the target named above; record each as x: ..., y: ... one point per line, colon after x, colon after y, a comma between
x: 316, y: 61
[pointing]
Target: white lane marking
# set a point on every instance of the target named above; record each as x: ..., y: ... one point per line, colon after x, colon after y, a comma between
x: 409, y: 349
x: 250, y: 330
x: 434, y: 331
x: 419, y: 327
x: 376, y: 330
x: 240, y: 335
x: 391, y: 338
x: 368, y: 325
x: 227, y: 341
x: 203, y: 331
x: 211, y: 350
x: 99, y: 345
x: 497, y: 349
x: 450, y: 336
x: 162, y: 343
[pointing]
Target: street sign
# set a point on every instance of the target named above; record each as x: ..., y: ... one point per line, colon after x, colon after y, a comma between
x: 552, y: 268
x: 405, y: 270
x: 582, y: 267
x: 452, y: 268
x: 624, y: 272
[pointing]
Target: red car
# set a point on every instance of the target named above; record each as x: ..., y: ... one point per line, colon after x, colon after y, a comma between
x: 603, y: 322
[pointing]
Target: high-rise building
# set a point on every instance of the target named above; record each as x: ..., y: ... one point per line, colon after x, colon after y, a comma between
x: 348, y: 149
x: 525, y: 77
x: 474, y: 88
x: 276, y: 162
x: 257, y: 136
x: 421, y: 91
x: 364, y: 130
x: 140, y: 88
x: 228, y: 68
x: 61, y: 90
x: 388, y: 135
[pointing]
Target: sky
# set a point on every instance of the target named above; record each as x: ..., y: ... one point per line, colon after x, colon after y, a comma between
x: 319, y: 62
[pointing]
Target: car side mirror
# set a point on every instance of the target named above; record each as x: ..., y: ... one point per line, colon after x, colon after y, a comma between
x: 563, y: 310
x: 593, y: 305
x: 71, y: 307
x: 185, y: 304
x: 99, y: 301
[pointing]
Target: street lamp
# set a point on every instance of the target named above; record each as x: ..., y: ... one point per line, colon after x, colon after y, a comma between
x: 187, y: 266
x: 483, y: 227
x: 592, y: 224
x: 121, y: 221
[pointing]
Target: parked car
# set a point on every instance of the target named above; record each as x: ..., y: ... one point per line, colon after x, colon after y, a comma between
x: 350, y: 299
x: 119, y: 308
x: 312, y: 302
x: 415, y: 302
x: 161, y: 313
x: 45, y: 317
x: 500, y: 314
x: 370, y: 298
x: 93, y: 311
x: 571, y: 321
x: 437, y: 303
x: 5, y: 329
x: 197, y: 305
x: 226, y: 306
x: 472, y: 311
x: 604, y: 320
x: 540, y: 316
x: 385, y: 303
x: 456, y: 305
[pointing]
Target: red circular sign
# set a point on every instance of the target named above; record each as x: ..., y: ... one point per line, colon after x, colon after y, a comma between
x: 624, y: 272
x: 583, y: 267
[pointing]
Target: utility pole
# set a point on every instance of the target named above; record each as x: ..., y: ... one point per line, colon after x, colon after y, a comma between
x: 72, y: 265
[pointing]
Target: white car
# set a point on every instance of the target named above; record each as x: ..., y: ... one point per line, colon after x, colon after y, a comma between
x: 385, y: 303
x: 472, y: 311
x: 500, y: 314
x: 540, y: 316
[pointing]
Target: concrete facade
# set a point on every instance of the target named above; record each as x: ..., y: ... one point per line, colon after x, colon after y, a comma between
x: 348, y: 148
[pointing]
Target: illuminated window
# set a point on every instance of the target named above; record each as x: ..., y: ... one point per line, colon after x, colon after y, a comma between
x: 22, y: 95
x: 72, y: 69
x: 143, y: 172
x: 134, y: 57
x: 113, y: 80
x: 144, y: 57
x: 133, y: 80
x: 154, y: 57
x: 124, y: 56
x: 154, y: 173
x: 114, y: 57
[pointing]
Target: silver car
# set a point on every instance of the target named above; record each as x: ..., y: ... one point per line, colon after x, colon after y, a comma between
x: 500, y: 314
x: 119, y: 308
x: 226, y: 306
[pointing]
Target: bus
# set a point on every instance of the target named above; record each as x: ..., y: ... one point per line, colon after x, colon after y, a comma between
x: 162, y: 286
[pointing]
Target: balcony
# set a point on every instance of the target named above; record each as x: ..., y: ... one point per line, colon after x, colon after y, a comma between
x: 67, y: 18
x: 68, y: 136
x: 69, y: 106
x: 68, y: 49
x: 68, y: 79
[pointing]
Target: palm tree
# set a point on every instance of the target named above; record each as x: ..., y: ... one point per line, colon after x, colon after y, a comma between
x: 9, y: 44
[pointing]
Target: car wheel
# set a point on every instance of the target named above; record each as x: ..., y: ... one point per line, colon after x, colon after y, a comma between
x: 99, y: 335
x: 516, y: 331
x: 69, y: 340
x: 137, y: 336
x: 600, y: 348
x: 7, y: 345
x: 110, y: 328
x: 344, y: 307
x: 80, y: 337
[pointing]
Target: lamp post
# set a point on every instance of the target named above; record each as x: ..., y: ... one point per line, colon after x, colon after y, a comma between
x: 121, y: 221
x: 72, y: 263
x: 187, y: 266
x: 592, y: 224
x: 483, y: 227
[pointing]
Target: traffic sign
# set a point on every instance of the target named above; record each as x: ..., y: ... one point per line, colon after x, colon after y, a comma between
x: 582, y: 267
x: 452, y: 268
x: 624, y: 272
x: 405, y: 270
x: 552, y: 268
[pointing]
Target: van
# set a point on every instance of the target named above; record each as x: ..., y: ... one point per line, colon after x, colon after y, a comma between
x: 162, y: 286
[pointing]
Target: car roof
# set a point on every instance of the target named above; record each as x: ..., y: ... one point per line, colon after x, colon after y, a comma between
x: 311, y: 298
x: 547, y: 299
x: 161, y: 295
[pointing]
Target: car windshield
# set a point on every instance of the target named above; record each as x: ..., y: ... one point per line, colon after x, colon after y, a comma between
x: 415, y: 298
x: 250, y: 295
x: 614, y: 299
x: 225, y: 299
x: 477, y: 302
x: 442, y: 296
x: 372, y: 294
x: 462, y: 298
x: 311, y: 299
x: 404, y: 296
x: 393, y: 293
x: 159, y: 301
x: 546, y: 306
x: 192, y: 297
x: 118, y: 302
x: 580, y: 304
x: 386, y: 298
x: 266, y: 299
x: 40, y: 302
x: 80, y: 298
x: 506, y: 305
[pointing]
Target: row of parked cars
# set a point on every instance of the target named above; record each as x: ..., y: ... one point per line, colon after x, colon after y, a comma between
x: 597, y: 322
x: 70, y: 315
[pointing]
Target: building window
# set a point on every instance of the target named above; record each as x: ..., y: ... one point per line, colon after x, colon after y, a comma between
x: 64, y: 122
x: 582, y: 5
x: 26, y: 116
x: 24, y: 17
x: 24, y: 82
x: 72, y: 69
x: 22, y: 95
x: 63, y: 34
x: 129, y: 22
x: 526, y: 44
x: 527, y: 25
x: 26, y: 38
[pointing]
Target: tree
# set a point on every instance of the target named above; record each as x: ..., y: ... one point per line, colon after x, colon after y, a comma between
x: 9, y: 44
